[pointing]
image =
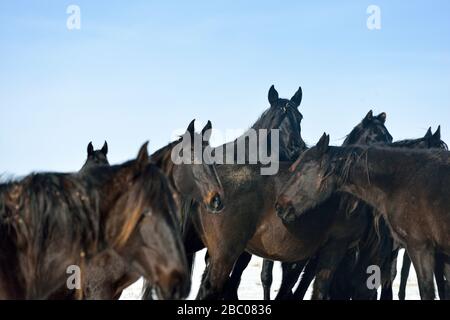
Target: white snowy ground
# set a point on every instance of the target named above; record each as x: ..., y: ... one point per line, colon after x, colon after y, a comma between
x: 251, y: 288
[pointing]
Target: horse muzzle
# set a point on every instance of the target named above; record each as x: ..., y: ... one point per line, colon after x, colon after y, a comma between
x: 174, y: 286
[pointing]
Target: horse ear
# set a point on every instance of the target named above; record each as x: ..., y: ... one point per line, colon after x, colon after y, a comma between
x: 323, y: 143
x: 382, y: 117
x: 369, y: 117
x: 90, y: 149
x: 206, y: 132
x: 297, y: 98
x: 105, y: 148
x: 142, y: 158
x: 191, y: 128
x: 437, y: 134
x: 273, y: 95
x: 429, y: 133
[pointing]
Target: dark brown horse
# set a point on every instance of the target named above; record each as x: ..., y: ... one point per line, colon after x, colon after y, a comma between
x: 283, y: 115
x: 251, y: 224
x: 195, y: 181
x: 408, y: 187
x: 50, y: 221
x: 243, y: 179
x: 110, y: 273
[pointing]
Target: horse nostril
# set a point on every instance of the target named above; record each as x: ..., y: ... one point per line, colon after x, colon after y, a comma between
x: 174, y: 285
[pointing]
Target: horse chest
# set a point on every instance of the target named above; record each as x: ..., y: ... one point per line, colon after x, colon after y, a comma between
x: 272, y: 240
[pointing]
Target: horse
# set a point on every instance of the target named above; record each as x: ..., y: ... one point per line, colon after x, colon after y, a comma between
x: 251, y: 225
x: 407, y: 187
x: 95, y: 157
x: 370, y: 130
x: 429, y: 141
x: 193, y: 181
x: 110, y: 273
x: 283, y: 115
x: 50, y: 221
x: 291, y: 144
x: 377, y: 247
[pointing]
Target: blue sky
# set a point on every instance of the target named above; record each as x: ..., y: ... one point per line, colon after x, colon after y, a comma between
x: 138, y: 70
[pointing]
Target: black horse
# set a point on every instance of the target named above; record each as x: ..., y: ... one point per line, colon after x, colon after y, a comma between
x: 408, y: 187
x: 346, y: 231
x: 96, y: 157
x: 375, y: 248
x: 378, y: 247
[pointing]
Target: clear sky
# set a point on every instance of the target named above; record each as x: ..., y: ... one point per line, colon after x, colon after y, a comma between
x: 138, y: 70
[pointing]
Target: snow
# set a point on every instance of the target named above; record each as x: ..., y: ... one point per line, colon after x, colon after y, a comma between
x: 251, y: 288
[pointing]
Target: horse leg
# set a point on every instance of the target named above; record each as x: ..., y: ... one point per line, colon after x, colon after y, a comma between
x: 291, y: 272
x: 386, y: 290
x: 329, y: 260
x: 439, y: 275
x: 147, y: 289
x: 306, y: 279
x: 216, y: 275
x: 232, y: 286
x: 447, y: 280
x: 423, y: 260
x: 404, y: 275
x: 266, y: 277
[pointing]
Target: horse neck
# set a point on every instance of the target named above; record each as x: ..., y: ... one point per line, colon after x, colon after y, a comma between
x: 232, y: 146
x: 371, y: 178
x: 162, y: 159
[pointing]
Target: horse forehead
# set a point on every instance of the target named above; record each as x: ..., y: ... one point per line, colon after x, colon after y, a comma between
x: 282, y: 103
x: 373, y: 133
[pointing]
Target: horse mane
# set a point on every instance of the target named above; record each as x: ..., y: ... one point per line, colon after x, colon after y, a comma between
x: 344, y: 158
x: 342, y: 161
x: 266, y: 121
x: 148, y: 192
x: 353, y: 136
x: 162, y: 157
x: 411, y: 143
x: 46, y: 207
x: 263, y: 121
